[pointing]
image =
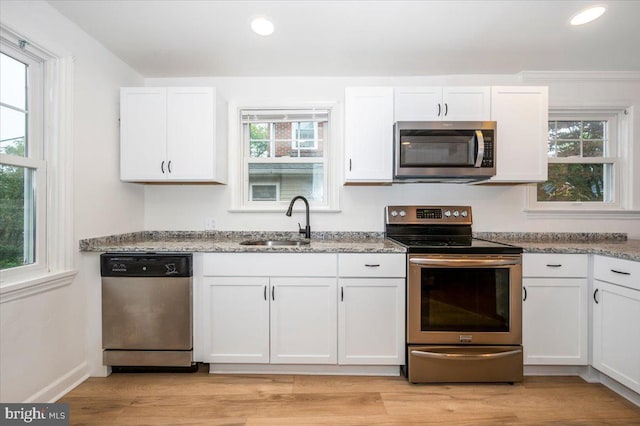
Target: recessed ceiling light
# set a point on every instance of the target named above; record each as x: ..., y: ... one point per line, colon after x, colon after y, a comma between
x: 587, y: 15
x: 262, y: 26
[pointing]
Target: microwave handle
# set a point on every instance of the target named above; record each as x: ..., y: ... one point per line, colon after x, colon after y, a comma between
x: 480, y: 155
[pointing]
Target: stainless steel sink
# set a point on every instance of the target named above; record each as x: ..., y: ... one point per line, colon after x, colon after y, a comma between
x: 275, y: 243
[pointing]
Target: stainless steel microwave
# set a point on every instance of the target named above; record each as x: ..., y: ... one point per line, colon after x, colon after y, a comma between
x: 428, y: 151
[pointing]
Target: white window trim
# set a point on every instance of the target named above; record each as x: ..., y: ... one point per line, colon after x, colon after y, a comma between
x: 238, y: 175
x: 622, y: 191
x: 58, y: 268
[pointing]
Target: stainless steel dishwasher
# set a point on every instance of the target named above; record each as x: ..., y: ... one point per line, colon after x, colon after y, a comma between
x: 147, y: 309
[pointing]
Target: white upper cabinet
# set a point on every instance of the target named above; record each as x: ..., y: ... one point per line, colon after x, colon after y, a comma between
x: 522, y: 115
x: 172, y: 134
x: 464, y: 103
x: 368, y: 136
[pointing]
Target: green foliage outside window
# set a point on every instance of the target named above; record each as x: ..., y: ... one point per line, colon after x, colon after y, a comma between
x: 573, y: 181
x: 12, y: 181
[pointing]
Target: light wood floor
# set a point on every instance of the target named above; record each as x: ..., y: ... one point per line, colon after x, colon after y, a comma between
x: 204, y: 399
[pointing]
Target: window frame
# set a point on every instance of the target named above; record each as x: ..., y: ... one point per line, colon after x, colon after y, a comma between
x: 34, y: 158
x: 275, y: 184
x: 241, y: 201
x: 57, y: 239
x: 618, y: 141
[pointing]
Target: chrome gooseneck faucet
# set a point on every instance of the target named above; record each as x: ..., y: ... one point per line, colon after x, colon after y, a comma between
x: 307, y: 229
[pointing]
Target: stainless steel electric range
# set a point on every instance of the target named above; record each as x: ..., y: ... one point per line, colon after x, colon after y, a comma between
x: 464, y: 297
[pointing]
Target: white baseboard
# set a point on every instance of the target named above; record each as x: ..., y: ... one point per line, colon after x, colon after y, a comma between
x: 61, y: 386
x: 352, y: 370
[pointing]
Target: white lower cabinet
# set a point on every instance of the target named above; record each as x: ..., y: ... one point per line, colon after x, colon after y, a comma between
x: 347, y: 318
x: 371, y: 310
x: 555, y: 309
x: 616, y: 320
x: 303, y: 321
x: 236, y: 322
x: 277, y: 320
x: 371, y: 321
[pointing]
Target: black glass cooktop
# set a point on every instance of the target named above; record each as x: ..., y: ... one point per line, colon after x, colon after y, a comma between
x: 417, y: 244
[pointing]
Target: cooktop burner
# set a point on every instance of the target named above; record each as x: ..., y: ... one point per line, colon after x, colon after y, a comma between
x: 438, y: 229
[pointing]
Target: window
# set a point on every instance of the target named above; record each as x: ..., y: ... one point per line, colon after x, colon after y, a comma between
x: 284, y: 155
x: 22, y: 165
x: 36, y: 168
x: 584, y: 162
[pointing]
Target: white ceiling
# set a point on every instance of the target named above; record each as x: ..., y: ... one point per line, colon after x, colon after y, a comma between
x: 360, y: 38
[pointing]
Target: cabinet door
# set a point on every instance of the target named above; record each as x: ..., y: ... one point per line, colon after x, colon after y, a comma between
x: 143, y: 137
x: 418, y: 104
x: 371, y: 321
x: 522, y: 117
x: 237, y: 319
x: 368, y: 134
x: 190, y: 133
x: 554, y: 321
x: 616, y: 333
x: 471, y: 103
x: 303, y: 321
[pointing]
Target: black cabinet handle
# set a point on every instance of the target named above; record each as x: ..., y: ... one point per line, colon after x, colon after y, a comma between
x: 554, y: 265
x: 372, y: 265
x: 162, y: 167
x: 265, y: 292
x: 524, y: 289
x: 273, y: 293
x: 349, y: 164
x: 439, y: 110
x: 620, y: 272
x: 595, y: 299
x: 169, y: 166
x: 342, y: 294
x: 446, y: 109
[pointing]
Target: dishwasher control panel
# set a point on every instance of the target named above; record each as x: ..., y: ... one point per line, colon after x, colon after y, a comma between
x: 146, y: 265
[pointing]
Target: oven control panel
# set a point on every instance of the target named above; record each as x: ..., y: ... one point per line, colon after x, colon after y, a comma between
x: 428, y: 215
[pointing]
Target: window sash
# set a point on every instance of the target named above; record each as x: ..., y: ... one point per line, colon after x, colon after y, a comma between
x: 611, y: 181
x: 272, y: 116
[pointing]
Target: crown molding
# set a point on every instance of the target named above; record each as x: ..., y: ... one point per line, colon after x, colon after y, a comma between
x: 544, y: 76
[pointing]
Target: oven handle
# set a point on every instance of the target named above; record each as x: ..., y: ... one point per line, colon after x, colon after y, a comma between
x: 465, y: 262
x: 469, y: 357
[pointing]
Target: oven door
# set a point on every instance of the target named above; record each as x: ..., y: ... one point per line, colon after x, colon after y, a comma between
x: 464, y: 299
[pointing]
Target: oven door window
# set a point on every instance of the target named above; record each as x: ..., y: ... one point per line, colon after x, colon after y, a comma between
x: 465, y: 299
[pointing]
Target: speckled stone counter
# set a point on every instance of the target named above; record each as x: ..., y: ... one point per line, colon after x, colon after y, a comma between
x: 606, y: 244
x: 229, y: 241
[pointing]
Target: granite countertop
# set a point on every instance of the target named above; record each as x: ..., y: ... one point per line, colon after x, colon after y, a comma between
x: 605, y: 244
x: 229, y: 241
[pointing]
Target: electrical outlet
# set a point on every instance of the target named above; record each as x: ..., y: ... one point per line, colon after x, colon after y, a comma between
x: 209, y: 224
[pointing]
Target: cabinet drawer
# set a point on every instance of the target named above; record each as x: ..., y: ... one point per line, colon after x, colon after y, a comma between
x: 554, y: 265
x: 372, y: 265
x: 270, y: 264
x: 617, y: 271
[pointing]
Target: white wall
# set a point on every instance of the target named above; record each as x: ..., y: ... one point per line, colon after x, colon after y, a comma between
x: 495, y: 208
x: 44, y: 336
